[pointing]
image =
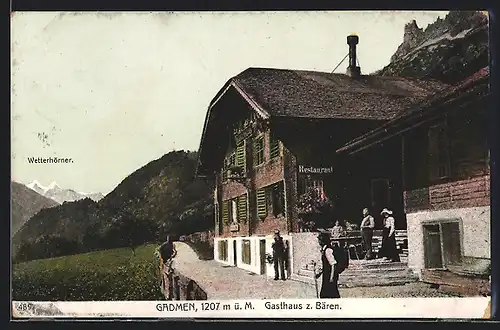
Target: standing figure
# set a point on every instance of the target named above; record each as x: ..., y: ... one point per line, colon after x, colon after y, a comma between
x: 389, y: 251
x: 279, y: 256
x: 337, y: 230
x: 287, y: 259
x: 168, y: 253
x: 329, y: 284
x: 367, y: 225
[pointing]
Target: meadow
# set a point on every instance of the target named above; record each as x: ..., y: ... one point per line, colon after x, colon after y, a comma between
x: 116, y: 274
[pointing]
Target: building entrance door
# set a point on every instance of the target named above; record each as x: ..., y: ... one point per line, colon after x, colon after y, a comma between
x: 263, y: 261
x: 432, y: 247
x: 235, y: 254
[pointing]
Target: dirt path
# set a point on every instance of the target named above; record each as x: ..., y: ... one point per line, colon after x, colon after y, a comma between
x: 222, y: 282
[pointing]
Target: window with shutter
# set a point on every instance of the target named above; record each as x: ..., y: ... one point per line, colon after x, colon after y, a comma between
x: 223, y: 250
x: 241, y: 155
x: 278, y: 193
x: 229, y: 162
x: 233, y: 212
x: 246, y: 255
x: 258, y: 151
x: 216, y: 217
x: 225, y: 212
x: 261, y: 204
x: 274, y: 146
x: 242, y: 208
x: 439, y: 159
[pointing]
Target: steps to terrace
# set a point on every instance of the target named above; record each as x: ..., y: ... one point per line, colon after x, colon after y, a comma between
x: 365, y: 273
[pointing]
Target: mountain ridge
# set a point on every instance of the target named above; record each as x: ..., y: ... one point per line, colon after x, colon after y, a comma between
x: 449, y: 50
x: 61, y: 195
x: 161, y: 197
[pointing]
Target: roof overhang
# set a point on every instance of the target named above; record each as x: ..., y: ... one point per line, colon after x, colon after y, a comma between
x: 460, y: 96
x: 201, y: 171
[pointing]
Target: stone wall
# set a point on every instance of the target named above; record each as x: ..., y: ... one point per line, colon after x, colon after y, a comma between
x: 305, y: 249
x: 183, y: 288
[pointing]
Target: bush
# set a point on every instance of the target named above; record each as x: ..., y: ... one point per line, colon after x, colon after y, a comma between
x: 315, y: 210
x: 116, y: 274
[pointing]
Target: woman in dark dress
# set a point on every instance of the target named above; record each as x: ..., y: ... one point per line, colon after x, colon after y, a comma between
x: 329, y: 285
x: 389, y: 251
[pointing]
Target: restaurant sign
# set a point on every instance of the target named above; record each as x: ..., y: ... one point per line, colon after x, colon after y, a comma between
x: 315, y: 170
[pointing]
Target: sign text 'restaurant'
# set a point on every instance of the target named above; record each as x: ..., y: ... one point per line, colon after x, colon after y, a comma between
x: 315, y: 170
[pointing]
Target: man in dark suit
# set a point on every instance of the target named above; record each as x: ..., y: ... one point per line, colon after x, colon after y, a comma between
x: 279, y: 256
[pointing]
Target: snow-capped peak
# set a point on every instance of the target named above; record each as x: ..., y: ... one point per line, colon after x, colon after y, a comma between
x: 53, y: 185
x: 60, y: 195
x: 35, y: 185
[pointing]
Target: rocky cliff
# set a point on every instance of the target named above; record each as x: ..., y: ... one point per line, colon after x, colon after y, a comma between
x: 449, y: 49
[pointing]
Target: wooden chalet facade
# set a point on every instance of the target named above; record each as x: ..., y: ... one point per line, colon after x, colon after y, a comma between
x: 269, y: 134
x: 441, y: 151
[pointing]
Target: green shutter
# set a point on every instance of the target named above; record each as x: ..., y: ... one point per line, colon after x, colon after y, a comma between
x: 240, y: 154
x: 258, y: 150
x: 261, y: 203
x: 255, y: 152
x: 242, y: 208
x: 225, y: 212
x: 274, y: 146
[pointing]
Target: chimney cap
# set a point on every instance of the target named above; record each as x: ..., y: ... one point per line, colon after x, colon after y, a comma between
x: 352, y: 39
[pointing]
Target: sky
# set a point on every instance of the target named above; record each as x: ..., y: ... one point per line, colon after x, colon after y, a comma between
x: 114, y: 91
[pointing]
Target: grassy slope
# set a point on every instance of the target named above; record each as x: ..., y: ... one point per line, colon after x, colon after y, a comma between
x: 103, y: 275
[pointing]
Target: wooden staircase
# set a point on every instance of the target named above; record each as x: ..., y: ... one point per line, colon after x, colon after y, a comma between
x: 365, y: 273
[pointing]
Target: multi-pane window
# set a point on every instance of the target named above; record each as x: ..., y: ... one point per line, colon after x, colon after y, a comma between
x: 229, y: 162
x: 439, y: 152
x: 307, y: 184
x: 246, y: 255
x: 258, y: 150
x: 234, y: 210
x: 222, y: 246
x: 271, y: 200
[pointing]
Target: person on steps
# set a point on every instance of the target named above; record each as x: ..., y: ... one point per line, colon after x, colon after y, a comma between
x: 367, y: 225
x: 388, y: 250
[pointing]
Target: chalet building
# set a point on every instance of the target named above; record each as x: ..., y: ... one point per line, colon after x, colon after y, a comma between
x: 270, y: 134
x: 439, y: 158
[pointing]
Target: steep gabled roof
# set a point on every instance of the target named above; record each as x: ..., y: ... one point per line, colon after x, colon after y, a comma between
x: 322, y: 95
x: 474, y: 86
x: 297, y: 94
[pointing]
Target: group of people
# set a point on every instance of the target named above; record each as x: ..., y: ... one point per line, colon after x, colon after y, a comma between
x: 388, y: 250
x: 334, y: 259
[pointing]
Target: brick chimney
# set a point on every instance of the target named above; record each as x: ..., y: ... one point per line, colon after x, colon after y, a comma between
x: 353, y: 70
